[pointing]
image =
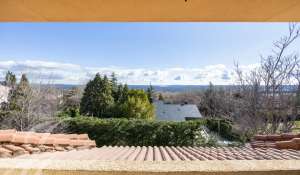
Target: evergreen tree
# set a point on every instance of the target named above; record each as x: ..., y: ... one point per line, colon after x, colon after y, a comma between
x: 124, y: 94
x: 119, y: 93
x: 97, y: 98
x: 20, y: 95
x: 103, y: 97
x: 71, y: 101
x: 114, y: 83
x: 137, y: 106
x: 10, y: 79
x: 150, y: 92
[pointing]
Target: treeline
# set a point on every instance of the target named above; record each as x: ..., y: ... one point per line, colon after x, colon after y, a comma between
x: 36, y: 106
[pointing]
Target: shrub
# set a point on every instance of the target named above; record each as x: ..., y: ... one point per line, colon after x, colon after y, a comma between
x: 223, y: 128
x: 134, y: 132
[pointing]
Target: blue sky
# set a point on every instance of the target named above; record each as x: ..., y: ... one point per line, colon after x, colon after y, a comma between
x: 161, y: 53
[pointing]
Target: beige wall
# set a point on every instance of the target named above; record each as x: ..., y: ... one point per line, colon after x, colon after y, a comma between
x: 149, y: 10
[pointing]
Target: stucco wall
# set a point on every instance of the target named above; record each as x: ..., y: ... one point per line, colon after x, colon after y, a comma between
x: 91, y: 167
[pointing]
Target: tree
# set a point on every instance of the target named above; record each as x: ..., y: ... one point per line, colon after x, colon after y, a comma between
x: 137, y: 106
x: 100, y: 100
x: 20, y: 104
x: 71, y: 101
x: 216, y: 102
x: 10, y: 79
x: 248, y: 102
x: 30, y: 108
x: 150, y: 92
x: 18, y: 96
x: 124, y: 94
x: 296, y: 75
x: 160, y: 97
x: 265, y: 86
x: 97, y: 97
x: 119, y: 93
x: 208, y: 105
x: 115, y: 87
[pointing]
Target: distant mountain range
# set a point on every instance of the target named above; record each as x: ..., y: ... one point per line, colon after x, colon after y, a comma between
x: 160, y: 88
x: 174, y: 88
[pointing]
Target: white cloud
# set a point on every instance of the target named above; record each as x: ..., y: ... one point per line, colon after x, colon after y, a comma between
x: 56, y: 72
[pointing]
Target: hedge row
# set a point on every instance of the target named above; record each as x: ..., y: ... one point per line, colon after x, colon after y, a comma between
x: 135, y: 132
x: 223, y: 128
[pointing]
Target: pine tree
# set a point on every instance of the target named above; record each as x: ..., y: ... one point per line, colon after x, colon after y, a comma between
x: 107, y: 97
x: 150, y: 92
x: 114, y: 83
x: 86, y: 103
x: 97, y: 98
x: 71, y: 101
x: 10, y: 79
x: 118, y: 94
x: 100, y: 101
x: 124, y: 94
x: 20, y: 95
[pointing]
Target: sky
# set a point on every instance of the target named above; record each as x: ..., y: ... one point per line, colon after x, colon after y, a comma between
x: 139, y: 53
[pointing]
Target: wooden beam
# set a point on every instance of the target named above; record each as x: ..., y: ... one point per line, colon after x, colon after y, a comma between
x: 149, y: 10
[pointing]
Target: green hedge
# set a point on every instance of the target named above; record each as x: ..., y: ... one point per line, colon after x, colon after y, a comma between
x: 223, y: 128
x: 135, y: 132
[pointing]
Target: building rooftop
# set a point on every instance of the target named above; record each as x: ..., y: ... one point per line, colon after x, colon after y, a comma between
x: 13, y: 143
x: 175, y: 112
x: 161, y: 153
x: 278, y: 141
x: 31, y: 145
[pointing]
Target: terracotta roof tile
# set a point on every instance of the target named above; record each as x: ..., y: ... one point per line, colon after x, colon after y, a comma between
x: 16, y: 150
x: 13, y: 143
x: 24, y: 139
x: 5, y: 137
x: 283, y: 141
x: 108, y: 153
x: 79, y: 146
x: 5, y: 152
x: 30, y: 149
x: 8, y: 131
x: 45, y: 148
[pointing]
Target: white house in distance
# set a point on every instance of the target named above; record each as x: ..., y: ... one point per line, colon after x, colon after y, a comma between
x: 176, y: 112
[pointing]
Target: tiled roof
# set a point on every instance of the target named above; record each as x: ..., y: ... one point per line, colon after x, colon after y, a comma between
x: 13, y: 143
x: 175, y: 112
x: 283, y: 141
x: 31, y: 145
x: 108, y: 153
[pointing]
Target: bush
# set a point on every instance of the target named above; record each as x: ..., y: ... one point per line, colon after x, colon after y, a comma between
x: 134, y: 132
x: 223, y: 128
